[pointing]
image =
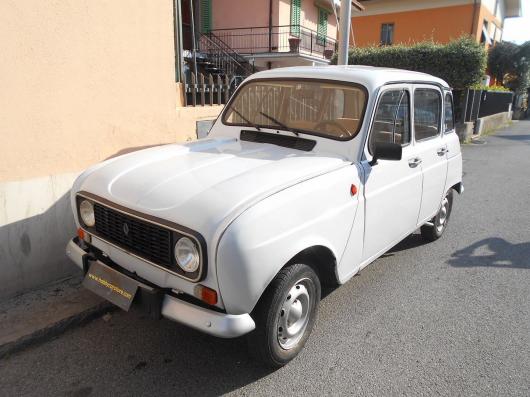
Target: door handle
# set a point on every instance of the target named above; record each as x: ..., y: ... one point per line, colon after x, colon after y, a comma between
x: 442, y: 151
x: 414, y: 162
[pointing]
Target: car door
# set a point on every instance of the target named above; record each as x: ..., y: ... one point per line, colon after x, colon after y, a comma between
x: 392, y: 188
x: 431, y: 150
x: 452, y: 143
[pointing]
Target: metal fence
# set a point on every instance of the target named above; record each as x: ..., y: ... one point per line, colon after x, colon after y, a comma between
x: 473, y: 104
x: 201, y: 90
x: 493, y: 102
x: 284, y: 38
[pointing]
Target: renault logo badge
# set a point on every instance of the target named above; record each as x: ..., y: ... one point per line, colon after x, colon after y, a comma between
x: 125, y: 229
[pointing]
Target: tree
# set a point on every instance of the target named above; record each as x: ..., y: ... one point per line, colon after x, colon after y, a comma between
x: 501, y: 59
x: 509, y: 63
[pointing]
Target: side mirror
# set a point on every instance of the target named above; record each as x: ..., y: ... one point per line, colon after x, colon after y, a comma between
x: 386, y: 151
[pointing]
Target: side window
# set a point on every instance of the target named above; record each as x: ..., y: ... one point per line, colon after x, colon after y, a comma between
x: 392, y: 119
x: 427, y: 112
x: 402, y: 130
x: 449, y: 120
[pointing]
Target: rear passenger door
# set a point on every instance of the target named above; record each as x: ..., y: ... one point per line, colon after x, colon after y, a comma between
x: 431, y: 149
x: 452, y: 142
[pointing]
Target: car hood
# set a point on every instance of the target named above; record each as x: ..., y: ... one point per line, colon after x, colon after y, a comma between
x: 203, y: 184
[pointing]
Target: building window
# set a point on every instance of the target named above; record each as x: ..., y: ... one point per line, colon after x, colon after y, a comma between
x: 206, y: 15
x: 387, y: 34
x: 322, y: 28
x: 485, y: 36
x: 295, y: 17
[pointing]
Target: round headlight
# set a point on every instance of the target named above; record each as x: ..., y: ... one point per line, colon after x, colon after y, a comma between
x: 187, y: 255
x: 86, y: 211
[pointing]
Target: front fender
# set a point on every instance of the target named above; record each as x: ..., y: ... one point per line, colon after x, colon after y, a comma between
x: 265, y: 237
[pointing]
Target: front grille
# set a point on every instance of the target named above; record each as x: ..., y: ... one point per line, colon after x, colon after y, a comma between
x: 149, y: 241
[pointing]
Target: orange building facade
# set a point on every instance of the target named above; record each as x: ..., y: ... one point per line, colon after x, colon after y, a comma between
x: 387, y: 22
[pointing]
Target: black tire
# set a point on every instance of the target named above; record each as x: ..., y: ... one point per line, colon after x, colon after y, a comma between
x: 270, y: 313
x: 439, y: 222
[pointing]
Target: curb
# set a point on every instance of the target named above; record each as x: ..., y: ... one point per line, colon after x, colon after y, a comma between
x: 55, y: 329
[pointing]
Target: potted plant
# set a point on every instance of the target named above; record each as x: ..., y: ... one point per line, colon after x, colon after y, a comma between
x: 328, y: 53
x: 294, y: 44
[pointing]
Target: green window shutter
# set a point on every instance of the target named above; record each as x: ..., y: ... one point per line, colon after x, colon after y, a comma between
x: 295, y: 17
x: 206, y: 15
x: 322, y: 29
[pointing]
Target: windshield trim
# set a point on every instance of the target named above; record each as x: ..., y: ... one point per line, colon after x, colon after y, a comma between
x: 301, y: 131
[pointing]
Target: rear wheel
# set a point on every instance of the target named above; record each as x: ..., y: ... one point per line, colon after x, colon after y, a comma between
x: 285, y: 315
x: 434, y: 229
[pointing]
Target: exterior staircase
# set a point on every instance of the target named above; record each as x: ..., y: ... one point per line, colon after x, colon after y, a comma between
x: 215, y: 62
x: 224, y: 57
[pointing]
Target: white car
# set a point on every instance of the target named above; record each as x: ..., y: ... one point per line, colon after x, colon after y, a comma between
x: 308, y: 175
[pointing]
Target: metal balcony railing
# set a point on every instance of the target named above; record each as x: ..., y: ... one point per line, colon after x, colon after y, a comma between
x: 284, y: 39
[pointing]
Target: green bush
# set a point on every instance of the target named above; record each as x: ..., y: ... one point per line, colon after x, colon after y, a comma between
x: 461, y: 63
x: 489, y: 87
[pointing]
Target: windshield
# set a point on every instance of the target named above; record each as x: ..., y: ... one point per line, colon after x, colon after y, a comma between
x: 329, y: 109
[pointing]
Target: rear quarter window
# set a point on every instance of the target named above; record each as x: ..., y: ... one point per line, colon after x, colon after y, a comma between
x: 449, y: 116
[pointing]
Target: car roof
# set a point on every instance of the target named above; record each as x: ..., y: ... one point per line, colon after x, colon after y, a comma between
x: 370, y: 76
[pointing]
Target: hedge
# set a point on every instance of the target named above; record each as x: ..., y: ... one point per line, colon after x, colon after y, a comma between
x: 462, y: 63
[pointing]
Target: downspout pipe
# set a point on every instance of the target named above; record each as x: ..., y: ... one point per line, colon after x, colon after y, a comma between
x: 193, y: 34
x: 177, y: 18
x: 344, y: 31
x: 270, y: 25
x: 476, y: 3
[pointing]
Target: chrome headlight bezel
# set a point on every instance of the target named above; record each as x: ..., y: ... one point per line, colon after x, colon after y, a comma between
x: 187, y: 254
x: 86, y: 213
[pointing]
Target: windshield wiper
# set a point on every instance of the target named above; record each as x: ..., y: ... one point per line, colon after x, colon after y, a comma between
x: 279, y: 123
x: 245, y: 119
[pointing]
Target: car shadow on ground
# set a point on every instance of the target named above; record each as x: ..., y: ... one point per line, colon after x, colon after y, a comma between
x: 493, y: 252
x: 413, y: 241
x: 165, y: 358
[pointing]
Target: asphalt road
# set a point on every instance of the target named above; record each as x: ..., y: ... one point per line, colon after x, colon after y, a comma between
x: 446, y: 318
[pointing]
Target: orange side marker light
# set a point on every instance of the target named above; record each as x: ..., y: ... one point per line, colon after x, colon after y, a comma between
x: 84, y: 236
x: 206, y: 294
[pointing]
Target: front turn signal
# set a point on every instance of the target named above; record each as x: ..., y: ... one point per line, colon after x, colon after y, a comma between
x: 206, y: 294
x: 83, y: 236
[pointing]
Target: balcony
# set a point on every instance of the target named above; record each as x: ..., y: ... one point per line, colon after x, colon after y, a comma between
x: 270, y: 42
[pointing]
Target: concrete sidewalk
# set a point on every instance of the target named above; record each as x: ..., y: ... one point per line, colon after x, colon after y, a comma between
x: 39, y: 315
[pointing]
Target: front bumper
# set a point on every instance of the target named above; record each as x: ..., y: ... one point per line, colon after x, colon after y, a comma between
x: 208, y: 321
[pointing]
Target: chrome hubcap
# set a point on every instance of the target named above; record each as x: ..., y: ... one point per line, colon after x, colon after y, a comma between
x: 442, y: 215
x: 294, y: 315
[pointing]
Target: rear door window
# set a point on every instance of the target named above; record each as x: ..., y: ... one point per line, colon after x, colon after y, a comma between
x: 427, y: 113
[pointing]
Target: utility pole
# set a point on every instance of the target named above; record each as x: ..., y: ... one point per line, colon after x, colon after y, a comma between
x: 344, y: 31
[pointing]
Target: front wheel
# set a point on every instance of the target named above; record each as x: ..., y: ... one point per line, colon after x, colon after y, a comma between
x: 434, y: 229
x: 285, y: 315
